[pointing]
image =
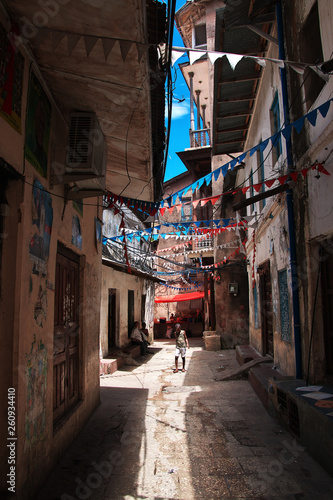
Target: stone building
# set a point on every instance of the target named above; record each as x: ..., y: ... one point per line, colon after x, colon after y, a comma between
x: 79, y: 81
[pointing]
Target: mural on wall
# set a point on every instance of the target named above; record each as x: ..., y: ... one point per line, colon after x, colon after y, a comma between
x: 42, y: 219
x: 98, y: 228
x: 38, y: 126
x: 11, y: 81
x: 40, y: 309
x: 76, y: 232
x: 36, y: 378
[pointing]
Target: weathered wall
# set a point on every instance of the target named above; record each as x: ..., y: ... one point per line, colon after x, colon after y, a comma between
x: 122, y: 282
x: 28, y: 266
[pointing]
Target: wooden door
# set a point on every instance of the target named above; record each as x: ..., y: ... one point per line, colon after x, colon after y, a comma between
x: 66, y: 333
x: 266, y: 308
x: 112, y: 319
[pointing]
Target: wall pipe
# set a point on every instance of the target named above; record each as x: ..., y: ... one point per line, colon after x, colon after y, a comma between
x: 290, y: 204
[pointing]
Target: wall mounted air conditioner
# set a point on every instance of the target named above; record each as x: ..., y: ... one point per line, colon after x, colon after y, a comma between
x: 86, y: 151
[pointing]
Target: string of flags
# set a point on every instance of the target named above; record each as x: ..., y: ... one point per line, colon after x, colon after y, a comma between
x: 115, y: 201
x: 234, y: 59
x: 298, y: 125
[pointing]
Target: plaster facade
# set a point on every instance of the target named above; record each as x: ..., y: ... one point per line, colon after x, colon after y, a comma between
x: 35, y: 220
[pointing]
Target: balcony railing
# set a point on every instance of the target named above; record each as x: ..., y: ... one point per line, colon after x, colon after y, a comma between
x: 200, y: 244
x: 200, y: 138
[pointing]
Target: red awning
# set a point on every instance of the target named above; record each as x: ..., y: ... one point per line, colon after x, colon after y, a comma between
x: 180, y: 297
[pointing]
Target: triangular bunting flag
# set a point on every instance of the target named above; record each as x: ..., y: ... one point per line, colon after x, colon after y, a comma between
x: 263, y: 145
x: 225, y: 169
x: 298, y: 124
x: 270, y: 183
x: 195, y: 55
x: 286, y: 132
x: 162, y: 210
x: 195, y: 203
x: 257, y: 187
x: 323, y: 109
x: 234, y: 59
x: 108, y: 44
x: 203, y: 202
x: 141, y: 48
x: 213, y: 56
x: 245, y: 188
x: 214, y: 199
x: 304, y: 172
x: 57, y: 36
x: 72, y: 41
x: 312, y: 117
x: 253, y: 150
x: 216, y: 174
x: 89, y: 42
x: 175, y: 55
x: 294, y: 175
x: 283, y: 179
x: 125, y: 47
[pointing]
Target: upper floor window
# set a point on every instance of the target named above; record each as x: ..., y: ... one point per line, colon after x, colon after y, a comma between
x: 186, y: 209
x: 200, y: 37
x: 311, y: 51
x: 275, y: 128
x: 252, y: 190
x: 261, y: 175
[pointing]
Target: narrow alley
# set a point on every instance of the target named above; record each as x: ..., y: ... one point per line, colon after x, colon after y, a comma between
x: 164, y: 435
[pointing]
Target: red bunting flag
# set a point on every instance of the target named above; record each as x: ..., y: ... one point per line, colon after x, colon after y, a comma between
x: 270, y: 183
x: 294, y: 175
x: 257, y: 187
x: 244, y: 189
x: 283, y: 179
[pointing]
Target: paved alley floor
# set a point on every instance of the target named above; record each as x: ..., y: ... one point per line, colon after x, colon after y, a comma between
x: 160, y: 435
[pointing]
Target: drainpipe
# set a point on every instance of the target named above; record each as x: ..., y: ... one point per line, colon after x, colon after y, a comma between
x: 191, y: 75
x: 290, y: 204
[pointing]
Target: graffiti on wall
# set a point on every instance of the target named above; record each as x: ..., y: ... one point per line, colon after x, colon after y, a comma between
x: 76, y: 232
x: 40, y: 308
x: 42, y: 219
x: 36, y: 378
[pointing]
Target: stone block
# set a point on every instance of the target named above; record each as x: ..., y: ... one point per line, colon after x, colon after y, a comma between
x: 213, y: 342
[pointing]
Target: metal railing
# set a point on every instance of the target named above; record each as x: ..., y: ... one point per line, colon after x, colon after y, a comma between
x: 200, y: 138
x: 200, y: 243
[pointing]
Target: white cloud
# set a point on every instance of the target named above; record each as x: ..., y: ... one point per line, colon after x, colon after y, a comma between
x: 180, y: 109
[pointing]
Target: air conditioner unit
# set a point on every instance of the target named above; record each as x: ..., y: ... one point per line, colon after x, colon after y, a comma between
x: 86, y: 151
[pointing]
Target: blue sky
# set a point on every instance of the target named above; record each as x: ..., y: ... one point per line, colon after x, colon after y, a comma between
x: 180, y: 120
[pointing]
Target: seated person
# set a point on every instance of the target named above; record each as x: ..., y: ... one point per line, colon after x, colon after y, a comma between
x: 145, y: 335
x: 137, y: 338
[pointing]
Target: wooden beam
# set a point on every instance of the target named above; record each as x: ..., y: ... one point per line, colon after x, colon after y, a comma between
x: 261, y: 196
x: 244, y: 78
x: 232, y: 115
x: 241, y: 98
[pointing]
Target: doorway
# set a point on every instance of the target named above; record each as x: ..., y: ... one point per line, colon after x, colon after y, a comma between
x: 266, y: 308
x: 327, y: 297
x: 66, y: 333
x: 112, y: 319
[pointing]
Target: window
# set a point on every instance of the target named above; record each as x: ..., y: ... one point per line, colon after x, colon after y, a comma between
x: 284, y: 305
x: 186, y: 209
x: 261, y: 174
x: 275, y: 127
x: 252, y: 190
x: 200, y: 37
x: 311, y: 50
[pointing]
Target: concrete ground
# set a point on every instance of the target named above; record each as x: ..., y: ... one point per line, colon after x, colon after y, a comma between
x: 163, y: 435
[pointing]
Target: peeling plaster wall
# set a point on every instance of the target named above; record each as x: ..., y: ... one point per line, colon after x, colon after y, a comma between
x: 122, y: 282
x: 29, y: 312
